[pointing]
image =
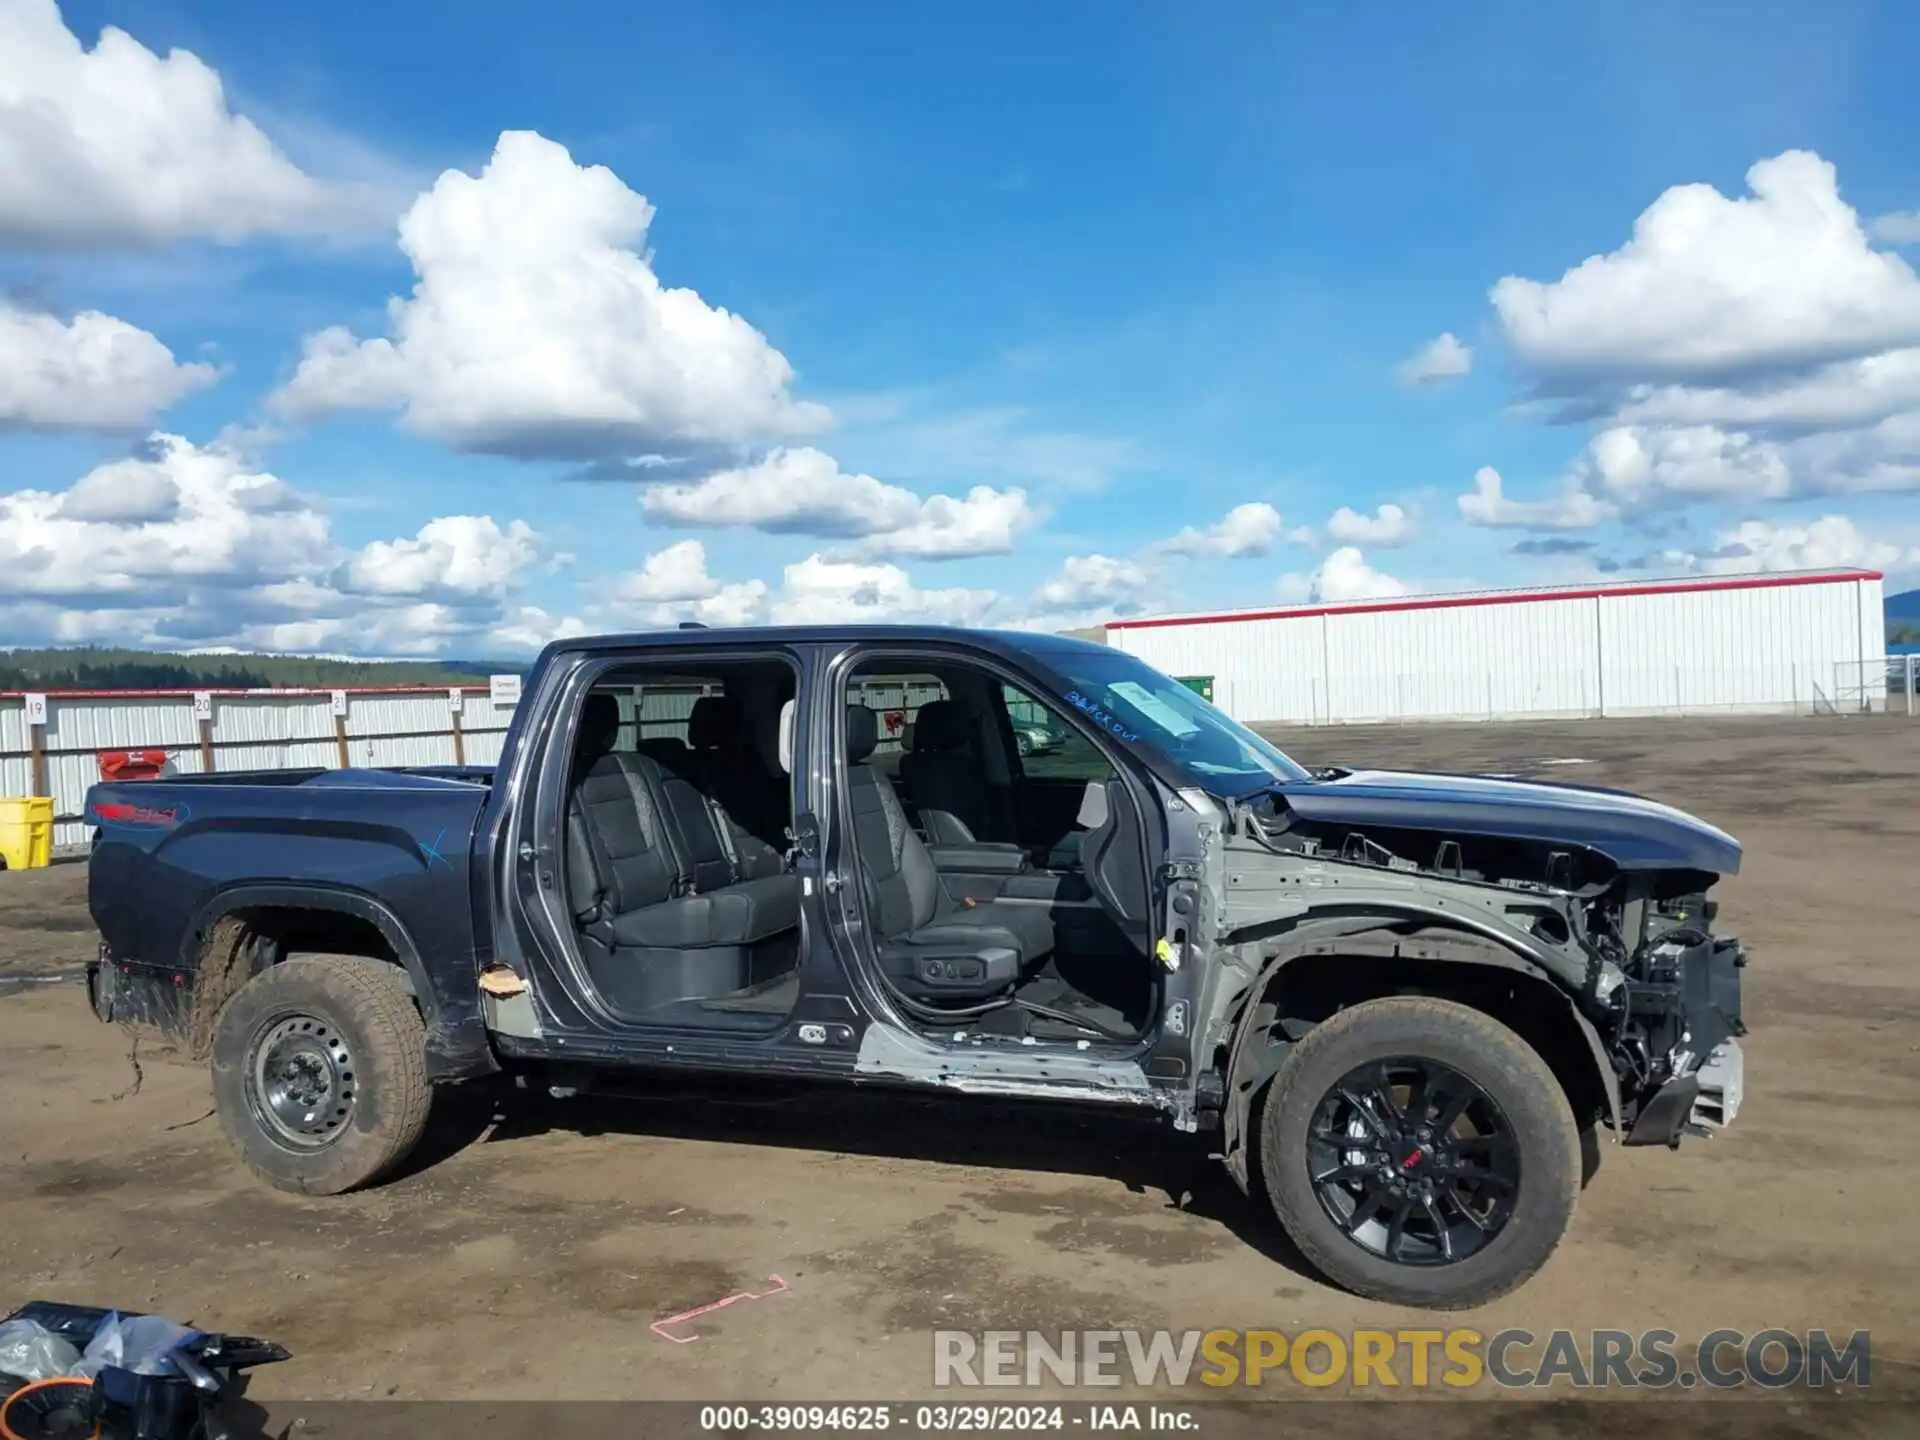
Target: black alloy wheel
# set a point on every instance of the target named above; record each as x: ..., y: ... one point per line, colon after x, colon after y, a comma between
x: 1413, y: 1161
x: 1417, y: 1150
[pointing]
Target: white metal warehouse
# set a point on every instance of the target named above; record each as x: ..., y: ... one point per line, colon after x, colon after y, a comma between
x: 1804, y: 640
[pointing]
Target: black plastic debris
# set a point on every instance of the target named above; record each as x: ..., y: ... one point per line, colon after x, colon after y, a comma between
x: 73, y: 1371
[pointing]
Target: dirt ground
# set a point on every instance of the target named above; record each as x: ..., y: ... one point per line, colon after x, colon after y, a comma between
x: 527, y: 1253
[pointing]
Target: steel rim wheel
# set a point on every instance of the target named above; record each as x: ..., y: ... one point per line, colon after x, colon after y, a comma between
x: 1414, y: 1162
x: 302, y: 1083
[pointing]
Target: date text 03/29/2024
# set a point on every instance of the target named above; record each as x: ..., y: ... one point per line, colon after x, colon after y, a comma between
x: 945, y: 1419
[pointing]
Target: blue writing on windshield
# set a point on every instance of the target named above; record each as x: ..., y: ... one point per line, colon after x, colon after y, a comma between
x: 1104, y: 718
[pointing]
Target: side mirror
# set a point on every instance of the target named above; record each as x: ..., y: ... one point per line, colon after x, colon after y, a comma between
x: 786, y: 737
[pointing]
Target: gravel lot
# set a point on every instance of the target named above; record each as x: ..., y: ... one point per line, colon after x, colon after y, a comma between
x: 525, y: 1255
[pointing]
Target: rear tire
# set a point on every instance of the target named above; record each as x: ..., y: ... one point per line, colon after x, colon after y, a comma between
x: 320, y: 1073
x: 1519, y: 1098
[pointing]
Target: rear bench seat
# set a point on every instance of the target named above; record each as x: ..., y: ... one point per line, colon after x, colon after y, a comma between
x: 668, y: 905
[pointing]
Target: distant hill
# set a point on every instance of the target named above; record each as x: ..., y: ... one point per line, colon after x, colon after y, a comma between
x: 104, y: 669
x: 1903, y: 618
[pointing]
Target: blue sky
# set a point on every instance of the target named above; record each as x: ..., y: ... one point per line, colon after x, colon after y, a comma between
x: 1143, y: 292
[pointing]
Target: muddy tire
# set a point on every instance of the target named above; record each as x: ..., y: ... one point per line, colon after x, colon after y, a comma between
x: 1420, y: 1152
x: 320, y: 1073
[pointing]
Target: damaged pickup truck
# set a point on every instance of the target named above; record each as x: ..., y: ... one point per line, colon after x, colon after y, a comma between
x: 1403, y: 1009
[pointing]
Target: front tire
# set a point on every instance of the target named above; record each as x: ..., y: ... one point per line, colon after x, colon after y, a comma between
x: 320, y: 1073
x: 1420, y: 1152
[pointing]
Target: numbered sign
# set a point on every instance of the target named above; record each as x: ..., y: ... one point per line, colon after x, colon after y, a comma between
x: 456, y: 698
x: 36, y: 710
x: 203, y: 705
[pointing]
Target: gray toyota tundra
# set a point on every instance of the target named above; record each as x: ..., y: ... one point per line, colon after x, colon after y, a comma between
x: 1405, y: 1010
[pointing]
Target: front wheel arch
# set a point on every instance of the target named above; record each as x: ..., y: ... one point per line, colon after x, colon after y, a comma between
x: 1353, y: 967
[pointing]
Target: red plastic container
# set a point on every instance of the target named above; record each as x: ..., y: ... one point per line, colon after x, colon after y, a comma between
x: 132, y: 764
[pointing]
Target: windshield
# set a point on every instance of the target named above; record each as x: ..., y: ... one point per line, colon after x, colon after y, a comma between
x: 1138, y: 705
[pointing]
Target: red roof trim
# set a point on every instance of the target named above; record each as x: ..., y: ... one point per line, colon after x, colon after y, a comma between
x: 1509, y: 597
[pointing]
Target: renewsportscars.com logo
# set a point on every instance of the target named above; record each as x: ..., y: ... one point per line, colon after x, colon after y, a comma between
x: 1378, y: 1359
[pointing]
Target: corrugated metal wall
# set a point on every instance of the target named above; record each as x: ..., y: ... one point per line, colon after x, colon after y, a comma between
x: 1809, y: 645
x: 273, y: 730
x: 248, y: 730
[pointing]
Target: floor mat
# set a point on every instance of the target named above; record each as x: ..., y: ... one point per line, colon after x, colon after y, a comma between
x: 1049, y: 991
x: 774, y: 997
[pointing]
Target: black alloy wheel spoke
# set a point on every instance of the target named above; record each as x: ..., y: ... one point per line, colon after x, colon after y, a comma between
x: 1345, y: 1172
x: 1380, y: 1085
x: 1457, y: 1107
x: 1438, y: 1198
x: 1421, y: 1098
x: 1442, y: 1231
x: 1373, y: 1121
x: 1369, y: 1206
x: 1467, y: 1212
x: 1479, y: 1175
x: 1397, y: 1226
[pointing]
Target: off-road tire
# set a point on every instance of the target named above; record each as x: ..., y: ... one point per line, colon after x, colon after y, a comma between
x: 366, y: 1001
x: 1505, y: 1066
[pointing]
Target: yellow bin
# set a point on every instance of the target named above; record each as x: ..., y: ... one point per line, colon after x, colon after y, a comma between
x: 26, y: 832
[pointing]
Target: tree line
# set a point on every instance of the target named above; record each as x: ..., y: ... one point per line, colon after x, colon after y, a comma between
x: 110, y: 669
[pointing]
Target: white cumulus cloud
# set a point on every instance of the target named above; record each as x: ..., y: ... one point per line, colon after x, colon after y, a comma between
x: 1748, y: 348
x: 1711, y: 286
x: 804, y: 491
x: 1248, y: 529
x: 211, y: 531
x: 1344, y: 575
x: 116, y: 145
x: 469, y: 555
x: 539, y: 328
x: 1389, y: 525
x: 677, y: 573
x: 1095, y: 582
x: 817, y: 590
x: 1441, y: 359
x: 1900, y: 228
x: 1832, y: 542
x: 1487, y: 504
x: 93, y: 372
x: 188, y: 545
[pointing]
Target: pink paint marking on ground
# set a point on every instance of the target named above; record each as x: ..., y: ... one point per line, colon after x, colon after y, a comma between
x: 660, y: 1327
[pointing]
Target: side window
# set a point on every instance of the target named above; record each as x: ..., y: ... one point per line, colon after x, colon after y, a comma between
x: 1050, y: 748
x: 895, y: 701
x: 660, y: 710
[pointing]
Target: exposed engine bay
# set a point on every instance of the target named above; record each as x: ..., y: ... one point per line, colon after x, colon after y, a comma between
x: 1628, y: 939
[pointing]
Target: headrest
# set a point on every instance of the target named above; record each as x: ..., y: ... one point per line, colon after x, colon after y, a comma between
x: 863, y: 733
x: 714, y: 722
x: 940, y: 725
x: 599, y: 726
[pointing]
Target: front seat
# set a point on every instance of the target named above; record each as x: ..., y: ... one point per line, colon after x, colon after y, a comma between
x: 930, y: 946
x: 957, y: 805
